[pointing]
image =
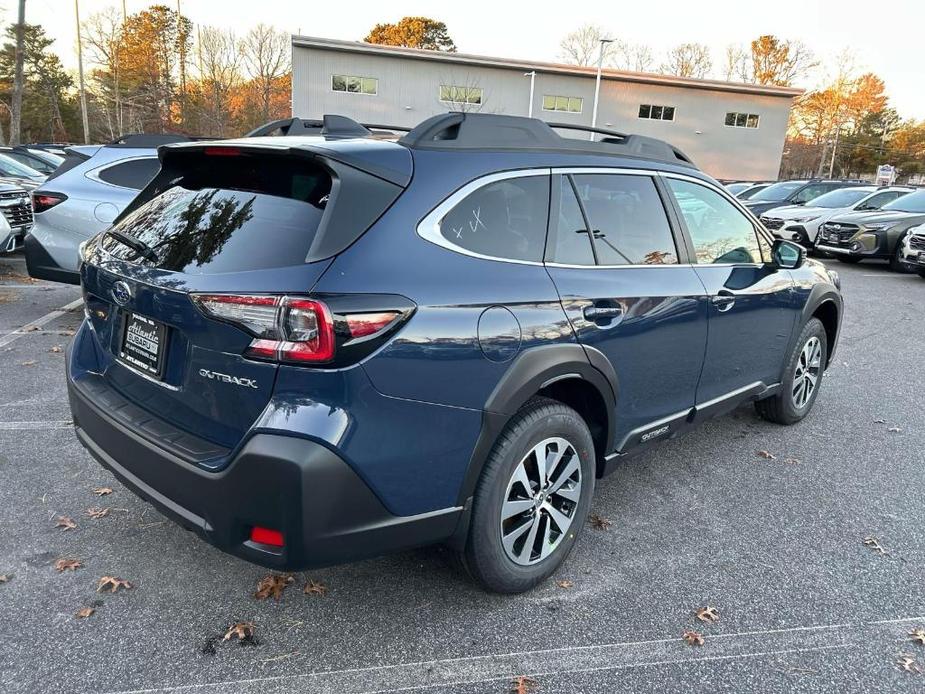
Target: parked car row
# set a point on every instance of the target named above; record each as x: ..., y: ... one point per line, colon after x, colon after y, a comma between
x: 847, y: 219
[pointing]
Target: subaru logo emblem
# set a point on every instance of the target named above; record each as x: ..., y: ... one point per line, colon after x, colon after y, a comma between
x: 121, y: 293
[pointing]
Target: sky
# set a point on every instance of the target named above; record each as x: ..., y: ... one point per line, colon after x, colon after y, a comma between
x: 888, y: 43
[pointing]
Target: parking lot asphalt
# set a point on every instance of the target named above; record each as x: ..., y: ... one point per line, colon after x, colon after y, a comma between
x: 776, y: 546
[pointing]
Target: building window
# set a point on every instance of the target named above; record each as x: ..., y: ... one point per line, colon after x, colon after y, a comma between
x: 460, y: 95
x: 742, y: 120
x: 355, y: 85
x: 571, y: 104
x: 656, y: 112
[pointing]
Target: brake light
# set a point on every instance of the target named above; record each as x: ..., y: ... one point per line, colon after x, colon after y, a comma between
x: 288, y: 329
x: 45, y: 201
x: 365, y: 324
x: 222, y: 151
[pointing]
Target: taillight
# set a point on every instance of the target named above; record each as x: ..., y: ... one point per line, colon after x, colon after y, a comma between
x: 45, y: 201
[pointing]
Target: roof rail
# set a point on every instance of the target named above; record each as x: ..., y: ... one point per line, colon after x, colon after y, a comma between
x: 150, y: 139
x: 329, y: 126
x: 457, y: 130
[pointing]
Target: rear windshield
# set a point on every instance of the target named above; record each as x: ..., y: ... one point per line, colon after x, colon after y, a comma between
x: 255, y: 214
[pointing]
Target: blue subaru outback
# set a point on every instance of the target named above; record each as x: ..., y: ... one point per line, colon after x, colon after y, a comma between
x: 314, y: 349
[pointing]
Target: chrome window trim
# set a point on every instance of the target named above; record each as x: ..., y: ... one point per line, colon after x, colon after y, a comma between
x: 429, y: 227
x: 94, y: 174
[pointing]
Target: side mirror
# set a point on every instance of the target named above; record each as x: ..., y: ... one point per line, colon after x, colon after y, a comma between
x: 787, y: 255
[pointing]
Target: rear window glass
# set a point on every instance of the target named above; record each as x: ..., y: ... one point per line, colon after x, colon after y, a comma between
x: 71, y: 160
x: 135, y: 174
x: 506, y: 219
x: 254, y: 225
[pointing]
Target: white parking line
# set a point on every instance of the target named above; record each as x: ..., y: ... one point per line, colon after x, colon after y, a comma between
x: 36, y: 324
x: 558, y: 661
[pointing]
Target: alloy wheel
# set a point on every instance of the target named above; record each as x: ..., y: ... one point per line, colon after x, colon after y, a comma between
x: 806, y: 374
x: 540, y: 501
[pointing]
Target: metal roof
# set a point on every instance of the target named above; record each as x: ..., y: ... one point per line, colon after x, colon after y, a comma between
x: 543, y: 67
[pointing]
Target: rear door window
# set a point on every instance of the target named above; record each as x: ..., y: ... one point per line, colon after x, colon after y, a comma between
x: 505, y: 219
x: 629, y: 222
x: 254, y: 215
x: 569, y: 240
x: 134, y: 174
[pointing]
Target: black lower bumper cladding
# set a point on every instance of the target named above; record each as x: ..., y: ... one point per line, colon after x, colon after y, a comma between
x: 326, y: 512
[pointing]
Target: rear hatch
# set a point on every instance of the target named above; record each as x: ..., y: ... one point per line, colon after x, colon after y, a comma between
x: 186, y: 286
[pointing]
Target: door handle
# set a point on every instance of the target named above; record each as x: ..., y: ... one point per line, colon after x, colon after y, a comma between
x: 602, y: 314
x: 724, y: 300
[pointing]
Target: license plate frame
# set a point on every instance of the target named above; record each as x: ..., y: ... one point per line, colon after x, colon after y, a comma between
x: 146, y: 349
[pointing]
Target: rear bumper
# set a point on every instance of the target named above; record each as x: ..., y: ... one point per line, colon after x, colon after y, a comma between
x: 42, y: 266
x: 327, y: 514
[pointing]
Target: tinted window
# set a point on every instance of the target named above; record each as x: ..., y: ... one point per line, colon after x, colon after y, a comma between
x: 875, y: 202
x: 569, y: 242
x: 71, y: 159
x: 628, y: 218
x: 135, y: 174
x: 778, y: 191
x: 505, y: 219
x: 32, y: 162
x: 843, y: 197
x: 720, y: 232
x: 913, y: 202
x: 810, y: 192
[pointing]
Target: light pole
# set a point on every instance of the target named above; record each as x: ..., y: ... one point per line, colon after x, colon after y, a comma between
x: 80, y: 72
x: 597, y: 83
x: 532, y: 76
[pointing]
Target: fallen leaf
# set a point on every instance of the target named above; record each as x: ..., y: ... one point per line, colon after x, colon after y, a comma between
x: 32, y: 328
x: 894, y: 430
x: 113, y: 583
x: 96, y: 512
x: 244, y: 631
x: 67, y: 565
x: 879, y: 421
x: 6, y: 578
x: 84, y: 612
x: 31, y: 362
x: 767, y: 455
x: 708, y: 615
x: 875, y: 545
x: 908, y: 664
x: 65, y: 523
x: 523, y: 685
x: 599, y: 522
x: 102, y: 491
x: 272, y: 585
x: 56, y: 349
x: 791, y: 461
x: 564, y: 583
x: 693, y: 638
x: 918, y: 635
x: 315, y: 588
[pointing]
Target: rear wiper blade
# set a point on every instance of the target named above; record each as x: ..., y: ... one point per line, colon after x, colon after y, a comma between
x: 137, y: 245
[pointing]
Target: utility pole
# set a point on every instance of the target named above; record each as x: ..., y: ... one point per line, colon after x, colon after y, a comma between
x: 532, y: 76
x: 597, y: 84
x: 16, y: 112
x: 80, y: 73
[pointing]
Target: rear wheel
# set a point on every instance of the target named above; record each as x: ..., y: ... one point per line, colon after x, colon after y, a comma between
x: 802, y: 379
x: 532, y: 499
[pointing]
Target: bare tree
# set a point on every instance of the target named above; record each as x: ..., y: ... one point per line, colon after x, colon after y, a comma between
x: 465, y: 95
x: 737, y: 64
x: 582, y: 46
x: 102, y: 34
x: 688, y: 60
x: 220, y: 75
x: 636, y: 57
x: 265, y: 53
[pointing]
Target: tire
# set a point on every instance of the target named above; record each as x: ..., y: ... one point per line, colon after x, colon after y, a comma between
x: 922, y: 274
x: 513, y: 567
x: 897, y: 264
x: 848, y: 259
x: 789, y: 406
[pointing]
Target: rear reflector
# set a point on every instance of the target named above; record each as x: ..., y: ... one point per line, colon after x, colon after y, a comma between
x: 266, y: 536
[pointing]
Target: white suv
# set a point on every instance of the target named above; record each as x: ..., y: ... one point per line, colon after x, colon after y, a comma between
x: 801, y: 223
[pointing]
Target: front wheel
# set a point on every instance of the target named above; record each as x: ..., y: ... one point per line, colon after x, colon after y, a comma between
x: 802, y: 378
x: 532, y: 499
x: 897, y: 262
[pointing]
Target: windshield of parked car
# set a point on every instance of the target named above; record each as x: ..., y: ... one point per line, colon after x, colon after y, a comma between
x: 736, y: 188
x: 843, y: 197
x: 913, y: 202
x: 778, y: 191
x: 11, y: 167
